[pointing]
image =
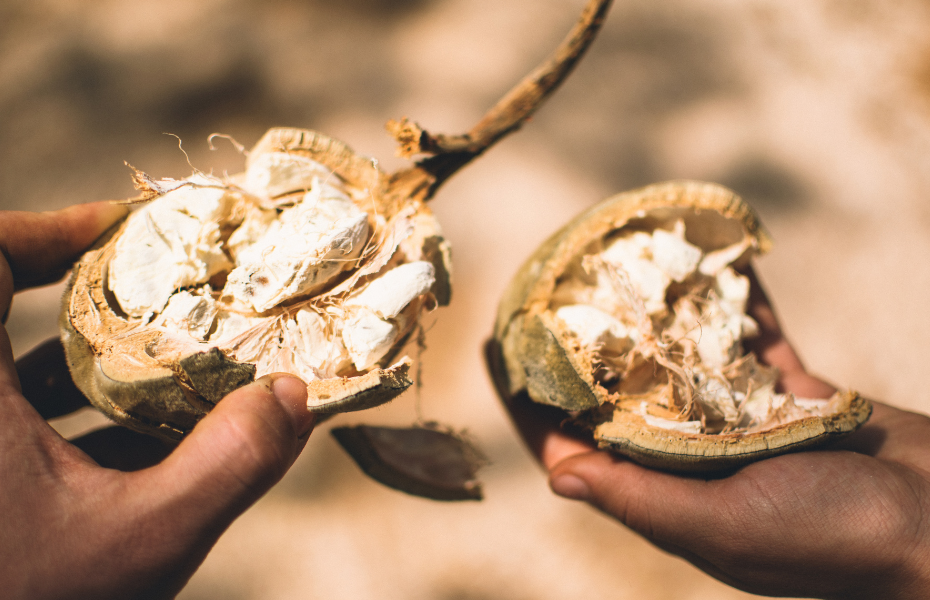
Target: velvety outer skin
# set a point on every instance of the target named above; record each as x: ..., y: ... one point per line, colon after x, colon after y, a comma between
x: 533, y: 353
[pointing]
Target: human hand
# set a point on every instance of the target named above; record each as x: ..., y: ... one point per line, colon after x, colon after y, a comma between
x: 72, y: 528
x: 846, y: 522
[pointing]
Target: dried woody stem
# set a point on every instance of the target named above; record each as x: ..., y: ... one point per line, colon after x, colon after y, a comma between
x: 451, y: 152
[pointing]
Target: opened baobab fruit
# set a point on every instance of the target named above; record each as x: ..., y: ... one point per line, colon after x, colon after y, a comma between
x: 633, y: 318
x: 312, y: 261
x: 297, y: 265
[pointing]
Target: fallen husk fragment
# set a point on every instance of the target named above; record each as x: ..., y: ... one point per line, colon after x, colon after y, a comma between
x: 312, y: 261
x: 423, y: 461
x: 632, y: 318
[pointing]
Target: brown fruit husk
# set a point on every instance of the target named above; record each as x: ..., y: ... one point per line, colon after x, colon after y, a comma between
x: 535, y: 352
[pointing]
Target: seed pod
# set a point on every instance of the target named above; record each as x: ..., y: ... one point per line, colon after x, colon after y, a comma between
x: 312, y: 261
x: 632, y: 318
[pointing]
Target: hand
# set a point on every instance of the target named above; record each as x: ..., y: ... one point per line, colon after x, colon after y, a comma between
x: 72, y: 528
x: 846, y: 522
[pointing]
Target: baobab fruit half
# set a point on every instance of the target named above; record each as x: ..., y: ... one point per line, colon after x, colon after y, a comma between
x: 633, y: 318
x: 296, y: 265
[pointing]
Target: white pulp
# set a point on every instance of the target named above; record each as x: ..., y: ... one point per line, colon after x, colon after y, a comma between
x: 616, y: 304
x: 284, y: 233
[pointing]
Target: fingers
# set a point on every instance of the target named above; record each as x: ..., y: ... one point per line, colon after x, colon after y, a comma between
x: 655, y: 504
x: 770, y: 345
x: 235, y: 454
x: 684, y: 516
x: 46, y: 382
x: 760, y: 307
x: 39, y: 248
x: 892, y: 434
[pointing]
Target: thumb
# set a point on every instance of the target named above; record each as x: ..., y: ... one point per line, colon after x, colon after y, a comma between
x: 654, y: 503
x: 237, y: 452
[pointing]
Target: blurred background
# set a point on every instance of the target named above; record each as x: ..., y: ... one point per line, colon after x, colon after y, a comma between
x: 816, y: 111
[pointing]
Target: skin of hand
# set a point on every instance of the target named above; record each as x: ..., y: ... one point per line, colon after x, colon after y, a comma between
x: 850, y: 521
x: 117, y: 514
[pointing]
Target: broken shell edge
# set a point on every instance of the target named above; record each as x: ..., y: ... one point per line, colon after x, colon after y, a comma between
x: 630, y: 435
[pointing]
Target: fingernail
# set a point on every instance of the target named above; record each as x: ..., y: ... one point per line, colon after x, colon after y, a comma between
x: 571, y: 487
x: 291, y: 392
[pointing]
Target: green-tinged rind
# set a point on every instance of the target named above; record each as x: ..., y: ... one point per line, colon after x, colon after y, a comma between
x: 151, y: 400
x: 554, y: 374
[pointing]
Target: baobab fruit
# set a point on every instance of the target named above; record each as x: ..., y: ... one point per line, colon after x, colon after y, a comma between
x: 296, y: 265
x: 633, y: 317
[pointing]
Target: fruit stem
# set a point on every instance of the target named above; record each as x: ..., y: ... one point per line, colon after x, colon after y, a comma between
x: 451, y: 152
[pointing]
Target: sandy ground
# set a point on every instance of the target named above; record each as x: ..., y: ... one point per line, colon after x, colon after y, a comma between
x: 817, y: 111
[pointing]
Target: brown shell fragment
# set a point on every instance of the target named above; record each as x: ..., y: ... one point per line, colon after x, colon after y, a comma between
x: 632, y: 318
x: 419, y: 461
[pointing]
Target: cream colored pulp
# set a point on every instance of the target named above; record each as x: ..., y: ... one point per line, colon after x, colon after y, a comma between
x: 279, y: 267
x: 663, y: 320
